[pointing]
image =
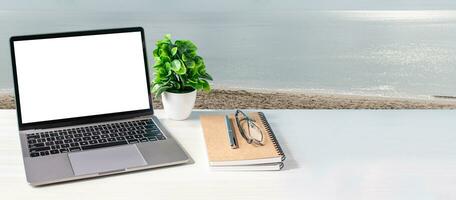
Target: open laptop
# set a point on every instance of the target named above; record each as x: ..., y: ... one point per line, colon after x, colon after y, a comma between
x: 84, y: 106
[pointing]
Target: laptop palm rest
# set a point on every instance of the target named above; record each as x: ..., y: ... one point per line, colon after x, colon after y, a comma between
x: 106, y: 160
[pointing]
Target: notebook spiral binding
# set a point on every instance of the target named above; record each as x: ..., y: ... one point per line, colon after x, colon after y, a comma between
x: 271, y: 135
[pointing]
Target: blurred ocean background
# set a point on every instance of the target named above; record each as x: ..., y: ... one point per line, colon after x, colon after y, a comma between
x: 381, y: 48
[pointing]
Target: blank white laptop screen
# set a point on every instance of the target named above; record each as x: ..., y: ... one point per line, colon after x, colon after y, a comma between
x: 78, y: 76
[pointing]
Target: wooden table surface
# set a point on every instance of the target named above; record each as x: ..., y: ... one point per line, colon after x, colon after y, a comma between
x: 331, y: 154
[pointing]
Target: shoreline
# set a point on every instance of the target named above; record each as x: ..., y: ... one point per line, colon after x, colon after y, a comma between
x: 225, y: 98
x: 399, y: 96
x: 255, y: 99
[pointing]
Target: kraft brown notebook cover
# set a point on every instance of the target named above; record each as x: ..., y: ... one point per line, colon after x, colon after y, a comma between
x: 219, y: 150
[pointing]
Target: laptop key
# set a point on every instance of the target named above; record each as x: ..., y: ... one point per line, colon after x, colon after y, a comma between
x: 103, y: 145
x: 33, y: 136
x: 129, y: 137
x: 65, y: 150
x: 36, y: 145
x: 133, y: 141
x: 44, y: 153
x: 149, y: 126
x: 55, y: 151
x: 32, y: 141
x: 73, y: 149
x: 34, y: 154
x: 153, y: 132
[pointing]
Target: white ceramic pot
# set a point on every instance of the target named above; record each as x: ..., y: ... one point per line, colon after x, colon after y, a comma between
x: 178, y: 106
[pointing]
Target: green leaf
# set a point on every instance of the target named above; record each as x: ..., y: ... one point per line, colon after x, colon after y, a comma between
x: 182, y: 71
x: 155, y: 53
x: 194, y: 73
x: 168, y: 66
x: 168, y: 36
x: 164, y: 56
x: 190, y: 46
x: 161, y: 42
x: 186, y: 46
x: 190, y: 64
x: 158, y: 62
x: 160, y: 72
x: 161, y: 90
x: 202, y: 70
x: 176, y: 65
x: 174, y: 51
x: 194, y: 84
x: 207, y: 76
x: 205, y: 85
x: 198, y: 61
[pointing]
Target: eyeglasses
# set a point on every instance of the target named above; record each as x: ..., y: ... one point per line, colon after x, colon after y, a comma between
x: 249, y: 129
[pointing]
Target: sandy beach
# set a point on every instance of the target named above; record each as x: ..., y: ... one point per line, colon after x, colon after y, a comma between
x: 251, y: 99
x: 7, y: 101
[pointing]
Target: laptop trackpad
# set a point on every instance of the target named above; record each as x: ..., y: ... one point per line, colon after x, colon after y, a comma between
x: 106, y: 160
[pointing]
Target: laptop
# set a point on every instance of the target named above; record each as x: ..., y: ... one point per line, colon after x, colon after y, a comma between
x: 84, y: 106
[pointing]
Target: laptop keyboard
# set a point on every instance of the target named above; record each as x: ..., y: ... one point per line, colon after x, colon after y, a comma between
x: 92, y: 137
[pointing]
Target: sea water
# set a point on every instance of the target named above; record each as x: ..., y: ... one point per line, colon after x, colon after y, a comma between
x: 388, y: 53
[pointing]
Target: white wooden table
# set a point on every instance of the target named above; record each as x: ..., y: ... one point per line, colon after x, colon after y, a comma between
x: 331, y: 154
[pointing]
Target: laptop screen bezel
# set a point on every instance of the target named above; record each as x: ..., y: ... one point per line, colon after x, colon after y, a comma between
x: 84, y: 119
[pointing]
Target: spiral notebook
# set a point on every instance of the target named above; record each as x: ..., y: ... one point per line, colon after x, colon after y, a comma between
x: 246, y: 157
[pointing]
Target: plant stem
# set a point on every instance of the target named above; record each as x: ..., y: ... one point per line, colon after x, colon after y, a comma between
x: 178, y: 80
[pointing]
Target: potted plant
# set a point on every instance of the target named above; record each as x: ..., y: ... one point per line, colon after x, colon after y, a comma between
x: 179, y: 73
